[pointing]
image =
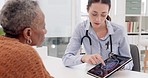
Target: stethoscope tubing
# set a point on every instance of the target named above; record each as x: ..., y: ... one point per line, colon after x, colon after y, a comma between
x: 87, y: 36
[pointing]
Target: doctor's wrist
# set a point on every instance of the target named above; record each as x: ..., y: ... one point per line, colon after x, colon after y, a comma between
x: 82, y: 59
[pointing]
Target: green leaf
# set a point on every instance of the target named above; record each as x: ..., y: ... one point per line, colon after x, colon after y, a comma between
x: 1, y: 31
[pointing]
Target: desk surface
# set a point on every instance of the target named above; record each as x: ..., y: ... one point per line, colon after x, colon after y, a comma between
x: 56, y: 68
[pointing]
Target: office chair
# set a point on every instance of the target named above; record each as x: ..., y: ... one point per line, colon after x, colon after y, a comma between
x: 135, y: 56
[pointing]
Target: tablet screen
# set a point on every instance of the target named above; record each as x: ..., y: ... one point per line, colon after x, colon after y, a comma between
x: 112, y: 64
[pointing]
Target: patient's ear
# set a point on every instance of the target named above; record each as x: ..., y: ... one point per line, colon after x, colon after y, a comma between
x: 27, y: 32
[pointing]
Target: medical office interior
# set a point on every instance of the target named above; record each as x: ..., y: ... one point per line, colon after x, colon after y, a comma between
x: 62, y: 16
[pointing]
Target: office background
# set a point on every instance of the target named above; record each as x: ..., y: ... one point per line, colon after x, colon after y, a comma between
x: 62, y: 16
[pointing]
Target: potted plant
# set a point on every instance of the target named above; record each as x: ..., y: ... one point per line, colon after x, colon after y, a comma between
x: 1, y: 31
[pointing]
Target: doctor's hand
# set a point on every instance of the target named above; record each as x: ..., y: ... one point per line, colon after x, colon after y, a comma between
x: 92, y: 59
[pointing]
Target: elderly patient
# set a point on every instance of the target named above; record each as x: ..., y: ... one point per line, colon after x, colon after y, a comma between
x: 24, y: 26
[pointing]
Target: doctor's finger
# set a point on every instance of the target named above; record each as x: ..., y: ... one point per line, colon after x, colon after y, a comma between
x: 100, y: 59
x: 95, y: 59
x: 92, y: 61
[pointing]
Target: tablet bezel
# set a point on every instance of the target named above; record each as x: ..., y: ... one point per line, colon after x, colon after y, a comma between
x: 116, y: 69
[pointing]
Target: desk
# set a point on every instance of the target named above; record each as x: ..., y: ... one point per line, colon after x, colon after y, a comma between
x: 56, y: 68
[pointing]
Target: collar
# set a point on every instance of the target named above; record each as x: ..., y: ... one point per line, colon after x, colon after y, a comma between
x: 8, y: 38
x: 109, y: 27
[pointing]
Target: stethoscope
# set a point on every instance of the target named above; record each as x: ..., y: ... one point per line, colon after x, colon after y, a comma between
x: 90, y: 42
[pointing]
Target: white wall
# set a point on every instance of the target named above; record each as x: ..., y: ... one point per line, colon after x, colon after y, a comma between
x: 60, y: 16
x: 1, y: 5
x: 117, y: 12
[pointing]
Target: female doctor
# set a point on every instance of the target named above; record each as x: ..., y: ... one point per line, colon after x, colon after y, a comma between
x: 99, y: 36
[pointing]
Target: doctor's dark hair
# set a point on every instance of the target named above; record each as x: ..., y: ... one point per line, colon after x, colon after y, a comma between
x: 107, y: 2
x: 16, y: 15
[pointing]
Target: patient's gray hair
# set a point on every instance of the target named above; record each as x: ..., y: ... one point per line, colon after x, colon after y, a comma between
x: 16, y: 15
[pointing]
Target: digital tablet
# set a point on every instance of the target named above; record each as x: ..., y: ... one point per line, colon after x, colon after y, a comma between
x: 112, y: 64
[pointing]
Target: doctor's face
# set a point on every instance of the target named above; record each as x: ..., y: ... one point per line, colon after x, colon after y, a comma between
x: 97, y: 14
